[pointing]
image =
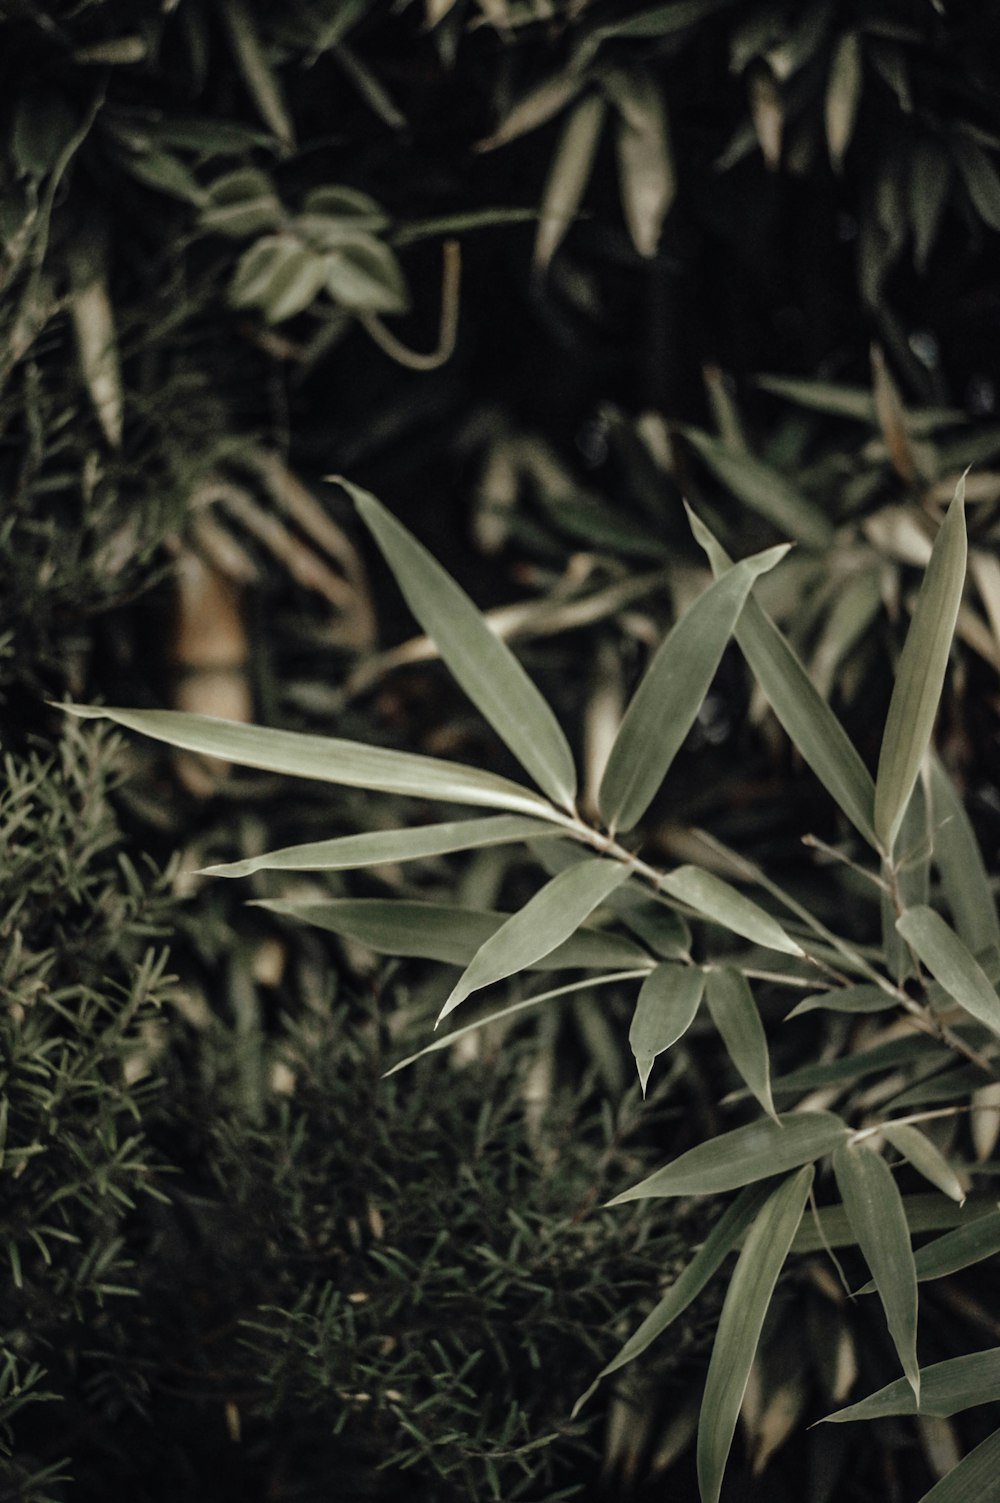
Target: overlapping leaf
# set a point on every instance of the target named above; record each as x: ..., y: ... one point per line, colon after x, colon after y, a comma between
x: 667, y: 1005
x: 734, y: 1013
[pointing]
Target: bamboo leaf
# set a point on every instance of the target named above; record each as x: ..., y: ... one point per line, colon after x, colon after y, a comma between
x: 647, y: 179
x: 792, y: 695
x: 830, y: 1226
x: 534, y: 109
x: 666, y: 1008
x: 327, y: 759
x: 725, y: 1236
x: 960, y: 862
x: 737, y: 1158
x: 666, y: 703
x: 919, y: 680
x: 568, y: 176
x: 925, y: 1157
x: 258, y: 75
x: 843, y: 94
x: 482, y: 664
x: 764, y: 490
x: 946, y: 1388
x: 959, y: 1249
x: 875, y: 1209
x: 734, y: 1013
x: 550, y: 919
x: 715, y: 899
x: 950, y: 963
x: 974, y: 1480
x: 346, y: 852
x: 746, y: 1305
x: 859, y: 999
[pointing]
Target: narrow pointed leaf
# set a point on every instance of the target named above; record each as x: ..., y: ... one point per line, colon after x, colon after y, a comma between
x: 647, y: 179
x: 725, y: 1236
x: 960, y: 862
x: 924, y: 1213
x: 346, y: 852
x: 765, y: 490
x: 950, y: 963
x: 715, y: 899
x: 875, y: 1209
x: 925, y: 1157
x: 974, y: 1480
x: 920, y: 677
x: 805, y: 715
x: 962, y: 1248
x: 325, y: 758
x: 436, y: 931
x: 666, y: 703
x: 863, y: 998
x: 568, y: 176
x: 734, y: 1013
x: 746, y: 1305
x: 482, y: 664
x: 664, y: 1012
x: 746, y: 1154
x: 550, y: 919
x: 946, y: 1388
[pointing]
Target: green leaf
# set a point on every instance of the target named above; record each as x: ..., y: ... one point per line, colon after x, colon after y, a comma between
x: 725, y: 1236
x: 740, y: 1324
x: 925, y: 1157
x: 647, y: 179
x: 242, y: 202
x: 363, y: 275
x: 734, y: 1013
x: 959, y: 860
x: 437, y: 931
x: 357, y: 209
x: 327, y: 759
x: 920, y: 677
x: 850, y: 1067
x: 946, y: 1388
x: 765, y: 490
x: 258, y: 75
x: 568, y: 176
x: 856, y: 999
x: 749, y: 1153
x: 974, y: 1480
x: 550, y: 919
x: 959, y: 1249
x: 950, y: 963
x: 715, y: 899
x: 659, y: 927
x: 924, y: 1213
x: 346, y: 852
x: 801, y: 709
x: 666, y: 1008
x: 666, y: 703
x: 876, y: 1213
x: 481, y: 663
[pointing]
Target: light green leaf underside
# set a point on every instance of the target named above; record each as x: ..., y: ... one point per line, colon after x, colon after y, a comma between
x: 325, y: 758
x: 921, y: 673
x: 431, y: 931
x: 746, y: 1305
x: 928, y: 1160
x: 974, y: 1480
x: 666, y: 703
x: 664, y: 1012
x: 960, y: 862
x: 946, y: 1388
x: 764, y: 490
x: 803, y: 712
x: 875, y: 1209
x: 950, y: 963
x: 734, y: 1013
x: 717, y: 900
x: 737, y: 1158
x: 349, y: 851
x: 545, y: 923
x: 860, y: 999
x: 725, y: 1235
x: 481, y: 663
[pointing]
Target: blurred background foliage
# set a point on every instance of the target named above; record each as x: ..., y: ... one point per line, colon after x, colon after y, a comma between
x: 532, y: 271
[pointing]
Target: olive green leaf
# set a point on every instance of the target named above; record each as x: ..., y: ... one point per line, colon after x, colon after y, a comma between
x: 959, y: 860
x: 646, y: 176
x: 959, y: 1249
x: 568, y: 176
x: 734, y: 1013
x: 666, y: 703
x: 550, y: 919
x: 765, y: 490
x: 862, y: 999
x: 666, y: 1008
x: 946, y: 1388
x: 950, y: 963
x: 974, y: 1480
x: 737, y: 1158
x: 717, y: 900
x: 830, y: 1226
x: 482, y: 664
x: 920, y: 677
x: 362, y: 274
x: 925, y: 1157
x: 746, y: 1305
x: 843, y: 94
x: 875, y: 1210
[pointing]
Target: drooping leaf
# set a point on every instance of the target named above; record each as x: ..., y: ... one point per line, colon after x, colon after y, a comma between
x: 924, y: 1213
x: 717, y: 900
x: 647, y: 180
x: 666, y: 703
x: 765, y: 490
x: 746, y: 1305
x: 861, y: 999
x: 925, y: 1157
x: 737, y: 1158
x: 327, y: 759
x: 875, y: 1209
x: 734, y: 1013
x: 437, y: 931
x: 801, y: 709
x: 664, y: 1012
x: 483, y: 665
x: 920, y: 677
x: 536, y: 108
x: 843, y: 94
x: 960, y: 862
x: 959, y: 1249
x: 568, y: 176
x: 258, y: 75
x: 346, y: 852
x: 950, y: 963
x: 724, y: 1237
x: 550, y: 919
x: 974, y: 1480
x: 946, y: 1388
